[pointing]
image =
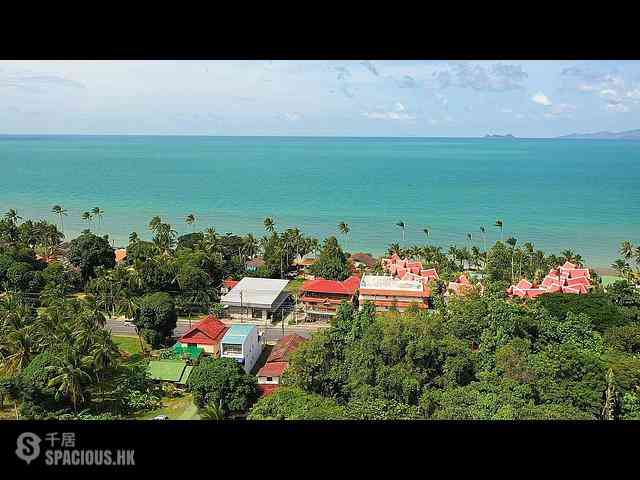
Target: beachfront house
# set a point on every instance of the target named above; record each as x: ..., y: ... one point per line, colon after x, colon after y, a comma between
x: 257, y: 298
x: 242, y: 343
x: 270, y: 374
x: 320, y: 298
x: 206, y: 335
x: 387, y: 293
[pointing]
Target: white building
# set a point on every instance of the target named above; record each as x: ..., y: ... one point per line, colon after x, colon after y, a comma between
x: 387, y: 292
x: 257, y: 298
x: 242, y: 343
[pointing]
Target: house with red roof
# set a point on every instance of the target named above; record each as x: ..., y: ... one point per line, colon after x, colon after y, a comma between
x: 270, y: 374
x: 205, y: 334
x: 568, y: 278
x: 320, y: 297
x: 461, y: 286
x: 227, y: 285
x: 386, y: 293
x: 407, y: 269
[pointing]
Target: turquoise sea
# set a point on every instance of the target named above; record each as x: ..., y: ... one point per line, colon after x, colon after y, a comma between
x: 580, y: 194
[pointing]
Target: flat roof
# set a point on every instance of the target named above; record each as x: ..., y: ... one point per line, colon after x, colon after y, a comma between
x: 385, y: 282
x: 237, y: 333
x: 267, y: 293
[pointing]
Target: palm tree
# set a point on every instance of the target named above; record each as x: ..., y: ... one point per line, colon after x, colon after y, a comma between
x: 12, y: 216
x: 87, y: 217
x: 190, y: 220
x: 58, y: 210
x: 213, y: 412
x: 426, y: 231
x: 622, y: 267
x: 500, y: 225
x: 512, y: 242
x: 153, y: 224
x: 626, y: 249
x: 402, y: 226
x: 394, y: 248
x: 269, y: 225
x: 97, y: 213
x: 344, y: 228
x: 70, y: 377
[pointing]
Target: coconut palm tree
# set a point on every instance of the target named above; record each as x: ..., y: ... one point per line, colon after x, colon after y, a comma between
x: 61, y: 212
x: 344, y: 229
x: 269, y: 225
x: 394, y: 248
x: 153, y: 224
x: 622, y: 267
x: 426, y: 231
x: 191, y: 220
x: 12, y: 216
x: 97, y: 213
x: 402, y: 226
x: 626, y: 249
x: 511, y: 241
x: 87, y: 217
x: 500, y: 225
x: 71, y: 377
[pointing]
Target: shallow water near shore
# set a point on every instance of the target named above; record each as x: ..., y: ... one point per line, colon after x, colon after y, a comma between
x: 558, y: 194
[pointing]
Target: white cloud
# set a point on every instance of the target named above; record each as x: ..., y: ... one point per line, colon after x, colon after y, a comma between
x: 634, y: 94
x: 399, y: 112
x: 292, y: 116
x: 541, y: 98
x: 617, y: 107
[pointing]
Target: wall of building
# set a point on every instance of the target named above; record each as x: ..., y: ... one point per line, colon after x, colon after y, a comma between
x: 273, y: 381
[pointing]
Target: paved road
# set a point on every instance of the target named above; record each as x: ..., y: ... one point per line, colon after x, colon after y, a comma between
x: 273, y: 333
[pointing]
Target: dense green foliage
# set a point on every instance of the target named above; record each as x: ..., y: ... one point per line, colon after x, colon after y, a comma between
x: 290, y: 403
x: 155, y: 318
x: 89, y: 251
x: 332, y: 263
x: 223, y: 382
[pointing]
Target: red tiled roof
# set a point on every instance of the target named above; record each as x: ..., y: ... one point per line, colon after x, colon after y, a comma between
x: 267, y: 388
x: 572, y: 282
x: 273, y: 369
x: 209, y: 331
x: 569, y: 266
x: 365, y: 258
x: 229, y: 283
x: 524, y: 284
x: 430, y: 273
x: 285, y: 347
x: 320, y: 285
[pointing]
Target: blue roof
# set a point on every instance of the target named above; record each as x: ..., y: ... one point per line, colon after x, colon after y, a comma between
x: 237, y: 333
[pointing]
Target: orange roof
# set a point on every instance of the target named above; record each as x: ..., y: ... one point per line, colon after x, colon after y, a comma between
x: 396, y: 293
x: 121, y: 254
x: 285, y: 347
x: 273, y: 369
x: 320, y: 285
x: 230, y: 283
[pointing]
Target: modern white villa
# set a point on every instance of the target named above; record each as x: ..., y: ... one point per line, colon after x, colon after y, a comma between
x: 242, y: 343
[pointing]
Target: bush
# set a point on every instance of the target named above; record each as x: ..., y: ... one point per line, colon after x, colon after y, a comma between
x: 223, y: 379
x: 600, y: 309
x: 89, y: 251
x: 291, y: 403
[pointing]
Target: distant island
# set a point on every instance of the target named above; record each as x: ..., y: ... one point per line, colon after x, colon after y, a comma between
x: 508, y: 135
x: 628, y: 135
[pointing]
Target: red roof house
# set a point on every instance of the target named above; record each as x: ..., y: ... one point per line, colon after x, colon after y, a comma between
x: 568, y: 278
x: 285, y: 347
x: 205, y: 334
x: 321, y: 297
x: 270, y: 374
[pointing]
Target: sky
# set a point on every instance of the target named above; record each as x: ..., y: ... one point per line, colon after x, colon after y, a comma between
x: 319, y: 98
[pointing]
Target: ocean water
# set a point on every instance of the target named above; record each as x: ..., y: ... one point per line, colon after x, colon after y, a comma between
x: 558, y: 194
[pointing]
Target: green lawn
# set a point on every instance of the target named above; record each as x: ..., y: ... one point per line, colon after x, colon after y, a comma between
x: 129, y: 346
x: 180, y: 408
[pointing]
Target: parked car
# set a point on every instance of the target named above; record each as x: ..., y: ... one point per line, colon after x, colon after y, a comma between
x: 161, y: 417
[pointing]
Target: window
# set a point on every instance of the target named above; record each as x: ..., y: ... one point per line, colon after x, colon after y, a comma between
x: 230, y: 348
x: 269, y: 379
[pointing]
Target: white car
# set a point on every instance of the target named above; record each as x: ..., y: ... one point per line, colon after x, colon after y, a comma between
x: 160, y: 417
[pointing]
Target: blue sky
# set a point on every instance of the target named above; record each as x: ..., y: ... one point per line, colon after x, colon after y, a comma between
x: 344, y: 98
